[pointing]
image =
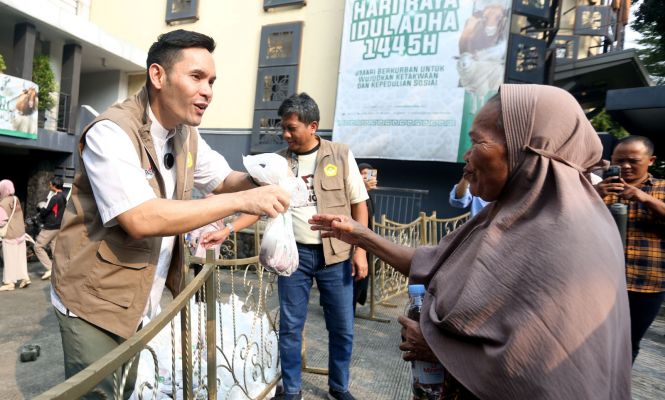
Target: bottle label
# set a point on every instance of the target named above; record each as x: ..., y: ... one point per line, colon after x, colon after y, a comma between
x: 427, y: 373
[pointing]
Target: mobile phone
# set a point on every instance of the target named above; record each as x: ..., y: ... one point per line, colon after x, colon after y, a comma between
x: 371, y: 173
x: 613, y: 171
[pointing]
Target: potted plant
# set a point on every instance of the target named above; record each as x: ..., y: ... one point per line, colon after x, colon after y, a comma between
x: 43, y: 76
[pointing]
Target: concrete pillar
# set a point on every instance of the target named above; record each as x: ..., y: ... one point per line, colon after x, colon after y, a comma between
x: 25, y: 35
x: 70, y: 81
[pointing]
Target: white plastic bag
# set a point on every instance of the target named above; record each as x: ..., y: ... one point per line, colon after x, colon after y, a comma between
x: 279, y: 253
x: 273, y: 169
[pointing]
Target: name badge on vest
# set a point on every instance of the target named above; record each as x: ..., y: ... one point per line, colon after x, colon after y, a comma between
x: 330, y: 170
x: 190, y: 160
x: 149, y: 174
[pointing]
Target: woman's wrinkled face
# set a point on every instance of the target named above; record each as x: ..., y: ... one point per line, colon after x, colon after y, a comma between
x: 486, y: 167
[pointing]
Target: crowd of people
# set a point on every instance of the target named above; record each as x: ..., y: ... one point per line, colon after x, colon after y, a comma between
x: 15, y: 238
x: 534, y: 297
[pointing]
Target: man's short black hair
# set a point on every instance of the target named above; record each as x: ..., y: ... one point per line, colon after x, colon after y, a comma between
x: 639, y: 139
x: 57, y: 182
x: 166, y: 50
x: 301, y: 105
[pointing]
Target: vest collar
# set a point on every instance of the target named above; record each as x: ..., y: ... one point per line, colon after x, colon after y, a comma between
x: 180, y: 137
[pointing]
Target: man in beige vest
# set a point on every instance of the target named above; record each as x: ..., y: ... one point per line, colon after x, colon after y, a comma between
x: 120, y: 241
x: 335, y: 186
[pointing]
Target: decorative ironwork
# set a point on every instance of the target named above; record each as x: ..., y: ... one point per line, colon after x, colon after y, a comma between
x: 280, y: 45
x: 251, y: 294
x: 275, y: 88
x: 595, y: 21
x: 238, y: 336
x: 539, y: 9
x: 279, y: 57
x: 274, y: 85
x: 566, y: 48
x: 385, y: 281
x: 389, y: 282
x: 526, y: 59
x: 398, y: 204
x: 437, y: 228
x: 267, y: 133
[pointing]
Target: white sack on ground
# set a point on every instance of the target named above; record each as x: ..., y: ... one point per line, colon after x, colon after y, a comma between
x: 236, y: 358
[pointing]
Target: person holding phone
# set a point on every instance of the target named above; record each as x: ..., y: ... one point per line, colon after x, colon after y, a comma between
x: 628, y: 181
x: 461, y: 197
x: 369, y: 175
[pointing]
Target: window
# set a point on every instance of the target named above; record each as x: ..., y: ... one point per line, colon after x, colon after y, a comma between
x: 594, y: 21
x: 268, y: 4
x: 539, y: 9
x: 566, y: 48
x: 277, y: 78
x: 526, y: 60
x: 181, y: 10
x: 274, y: 85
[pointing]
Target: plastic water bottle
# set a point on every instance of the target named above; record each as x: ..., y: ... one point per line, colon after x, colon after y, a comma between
x: 427, y: 377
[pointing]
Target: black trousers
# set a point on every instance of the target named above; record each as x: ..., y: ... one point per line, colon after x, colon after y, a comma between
x: 644, y: 308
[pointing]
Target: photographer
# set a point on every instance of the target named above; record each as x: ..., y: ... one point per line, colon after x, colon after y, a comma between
x: 461, y: 197
x: 52, y: 217
x: 644, y: 196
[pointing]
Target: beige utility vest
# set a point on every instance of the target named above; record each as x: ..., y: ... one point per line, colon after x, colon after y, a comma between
x: 101, y: 274
x: 330, y: 190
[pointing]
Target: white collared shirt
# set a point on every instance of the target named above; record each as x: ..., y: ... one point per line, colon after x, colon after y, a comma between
x: 119, y: 184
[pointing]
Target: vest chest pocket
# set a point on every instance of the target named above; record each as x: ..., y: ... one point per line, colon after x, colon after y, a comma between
x: 333, y: 192
x: 118, y: 272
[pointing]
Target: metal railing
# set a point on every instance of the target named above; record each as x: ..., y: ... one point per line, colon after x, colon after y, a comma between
x: 223, y: 348
x: 385, y: 282
x: 398, y: 204
x: 222, y: 338
x: 118, y: 361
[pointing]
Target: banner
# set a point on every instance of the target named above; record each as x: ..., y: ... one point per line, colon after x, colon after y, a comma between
x: 18, y: 107
x: 413, y: 73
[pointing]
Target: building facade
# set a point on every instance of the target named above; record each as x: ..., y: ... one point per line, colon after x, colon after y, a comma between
x: 266, y: 51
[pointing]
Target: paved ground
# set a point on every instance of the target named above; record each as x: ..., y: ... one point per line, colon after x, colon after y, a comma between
x: 377, y: 370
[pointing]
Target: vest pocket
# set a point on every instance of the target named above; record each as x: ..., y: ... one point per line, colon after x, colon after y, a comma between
x: 333, y: 191
x: 117, y: 274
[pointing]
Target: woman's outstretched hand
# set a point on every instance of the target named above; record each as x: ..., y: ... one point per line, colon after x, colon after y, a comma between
x: 340, y: 227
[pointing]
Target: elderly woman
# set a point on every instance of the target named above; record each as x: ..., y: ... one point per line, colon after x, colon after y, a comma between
x: 13, y: 243
x: 528, y: 299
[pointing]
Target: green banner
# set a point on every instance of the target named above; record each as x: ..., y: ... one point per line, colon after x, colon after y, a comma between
x: 18, y: 107
x: 414, y: 73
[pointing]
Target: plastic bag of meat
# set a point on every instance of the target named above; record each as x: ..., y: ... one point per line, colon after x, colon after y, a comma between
x: 273, y: 169
x: 279, y: 253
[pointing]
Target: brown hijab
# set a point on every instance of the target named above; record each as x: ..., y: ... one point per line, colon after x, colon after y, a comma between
x: 528, y: 299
